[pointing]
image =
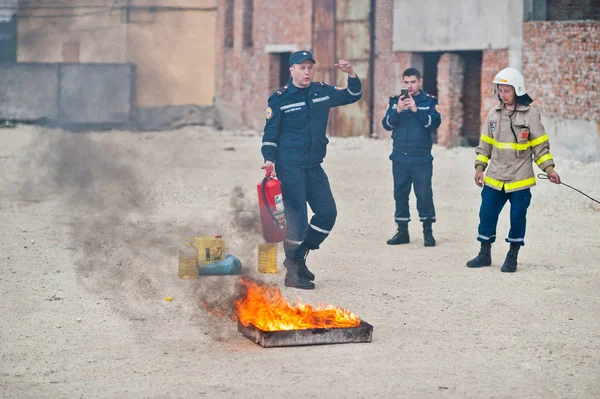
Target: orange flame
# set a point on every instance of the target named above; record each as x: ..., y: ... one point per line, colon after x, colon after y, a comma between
x: 264, y: 307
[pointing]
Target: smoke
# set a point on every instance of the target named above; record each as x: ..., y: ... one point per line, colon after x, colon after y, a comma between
x: 216, y: 295
x: 246, y: 217
x: 105, y: 204
x: 245, y: 227
x: 123, y: 251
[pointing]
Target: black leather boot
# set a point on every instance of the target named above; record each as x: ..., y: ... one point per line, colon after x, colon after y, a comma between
x: 510, y: 263
x: 428, y: 239
x: 294, y: 277
x: 303, y: 269
x: 484, y: 258
x: 401, y: 236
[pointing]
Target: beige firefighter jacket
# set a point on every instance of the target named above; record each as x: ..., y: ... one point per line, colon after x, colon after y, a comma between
x: 508, y: 161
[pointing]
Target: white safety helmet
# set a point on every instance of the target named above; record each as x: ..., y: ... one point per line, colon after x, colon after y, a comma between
x: 512, y: 77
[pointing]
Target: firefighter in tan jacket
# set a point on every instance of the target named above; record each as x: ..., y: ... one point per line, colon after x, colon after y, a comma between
x: 511, y: 138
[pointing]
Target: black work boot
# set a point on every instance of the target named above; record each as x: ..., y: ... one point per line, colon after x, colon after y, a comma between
x: 510, y: 263
x: 294, y: 277
x: 401, y: 236
x: 428, y: 234
x: 484, y: 258
x: 303, y: 269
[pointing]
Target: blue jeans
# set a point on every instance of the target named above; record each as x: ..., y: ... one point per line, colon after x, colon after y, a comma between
x: 417, y: 175
x: 492, y: 202
x: 300, y: 186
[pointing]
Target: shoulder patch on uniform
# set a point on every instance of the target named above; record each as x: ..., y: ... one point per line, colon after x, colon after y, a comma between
x: 281, y: 90
x: 269, y: 113
x: 493, y: 126
x: 437, y: 108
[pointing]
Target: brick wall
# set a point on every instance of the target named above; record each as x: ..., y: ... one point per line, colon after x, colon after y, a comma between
x: 388, y: 66
x: 245, y: 73
x: 558, y: 57
x: 451, y: 73
x: 561, y: 66
x: 492, y: 62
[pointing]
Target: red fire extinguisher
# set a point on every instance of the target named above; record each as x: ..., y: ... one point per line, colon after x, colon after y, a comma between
x: 270, y: 202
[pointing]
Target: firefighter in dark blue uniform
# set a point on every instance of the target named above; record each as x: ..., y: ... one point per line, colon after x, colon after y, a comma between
x: 411, y: 119
x: 294, y: 141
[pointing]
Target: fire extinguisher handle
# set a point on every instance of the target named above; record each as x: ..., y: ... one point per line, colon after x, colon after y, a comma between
x: 269, y: 170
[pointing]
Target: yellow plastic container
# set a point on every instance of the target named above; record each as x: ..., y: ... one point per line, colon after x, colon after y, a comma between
x: 267, y: 258
x: 210, y: 249
x: 188, y: 260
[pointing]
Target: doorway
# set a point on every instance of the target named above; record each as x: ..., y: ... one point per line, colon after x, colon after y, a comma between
x: 8, y: 40
x: 345, y: 29
x: 430, y: 66
x: 471, y: 97
x: 430, y: 78
x: 279, y: 72
x: 284, y: 68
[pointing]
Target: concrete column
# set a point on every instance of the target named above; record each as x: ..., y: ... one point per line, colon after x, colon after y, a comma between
x: 516, y: 17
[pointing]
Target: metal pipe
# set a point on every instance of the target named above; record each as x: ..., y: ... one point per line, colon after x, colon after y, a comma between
x: 372, y: 68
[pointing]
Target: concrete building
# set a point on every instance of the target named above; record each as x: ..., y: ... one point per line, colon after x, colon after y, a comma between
x: 459, y: 46
x: 231, y: 54
x: 171, y: 43
x: 173, y: 48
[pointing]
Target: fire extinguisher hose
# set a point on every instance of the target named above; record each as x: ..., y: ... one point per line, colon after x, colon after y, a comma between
x: 543, y: 176
x: 264, y: 197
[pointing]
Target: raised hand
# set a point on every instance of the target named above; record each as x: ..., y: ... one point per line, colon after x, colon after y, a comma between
x: 346, y: 66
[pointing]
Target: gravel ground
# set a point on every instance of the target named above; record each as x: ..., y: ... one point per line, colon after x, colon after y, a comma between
x: 91, y: 225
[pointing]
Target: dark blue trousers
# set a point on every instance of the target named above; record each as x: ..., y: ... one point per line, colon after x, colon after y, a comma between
x: 492, y: 202
x: 300, y: 186
x: 417, y: 175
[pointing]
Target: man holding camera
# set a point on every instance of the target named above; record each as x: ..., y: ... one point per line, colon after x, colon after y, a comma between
x: 412, y: 116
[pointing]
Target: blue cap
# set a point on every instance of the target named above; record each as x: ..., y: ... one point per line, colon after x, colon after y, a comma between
x: 299, y: 56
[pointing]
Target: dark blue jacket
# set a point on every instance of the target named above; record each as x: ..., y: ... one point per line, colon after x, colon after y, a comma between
x: 411, y: 131
x: 295, y: 129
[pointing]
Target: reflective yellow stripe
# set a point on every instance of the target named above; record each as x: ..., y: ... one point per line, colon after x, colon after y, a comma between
x: 487, y: 139
x: 510, y: 186
x: 509, y: 146
x: 482, y: 158
x: 539, y: 140
x: 493, y: 182
x: 543, y: 159
x: 519, y: 184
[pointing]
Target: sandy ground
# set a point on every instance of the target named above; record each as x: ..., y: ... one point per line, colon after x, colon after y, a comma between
x: 91, y: 224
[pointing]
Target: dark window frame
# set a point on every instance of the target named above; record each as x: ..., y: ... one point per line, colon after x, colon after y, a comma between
x: 229, y: 21
x: 248, y: 22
